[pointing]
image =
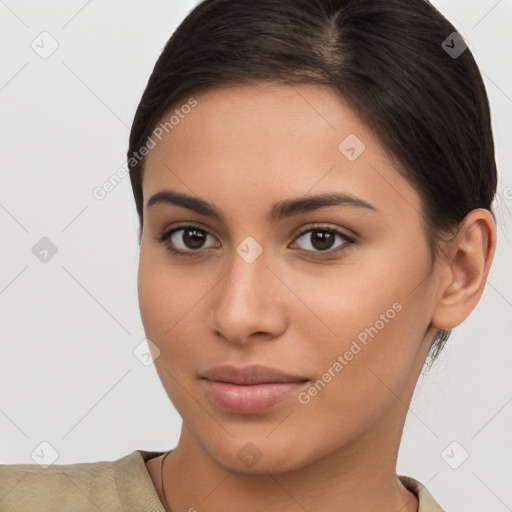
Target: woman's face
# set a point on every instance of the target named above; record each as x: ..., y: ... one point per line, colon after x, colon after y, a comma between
x: 339, y: 293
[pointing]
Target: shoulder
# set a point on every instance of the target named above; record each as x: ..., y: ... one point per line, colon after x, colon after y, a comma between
x: 426, y: 501
x: 104, y: 485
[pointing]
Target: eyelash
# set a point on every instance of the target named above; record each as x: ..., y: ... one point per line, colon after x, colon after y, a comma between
x: 164, y: 236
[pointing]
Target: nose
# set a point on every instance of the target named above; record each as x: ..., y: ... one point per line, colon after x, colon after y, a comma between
x: 249, y: 301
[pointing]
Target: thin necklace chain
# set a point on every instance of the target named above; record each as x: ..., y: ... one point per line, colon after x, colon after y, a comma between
x: 167, y: 507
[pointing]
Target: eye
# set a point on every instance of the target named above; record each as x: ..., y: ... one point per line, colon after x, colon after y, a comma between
x: 189, y: 240
x: 321, y: 240
x: 185, y: 240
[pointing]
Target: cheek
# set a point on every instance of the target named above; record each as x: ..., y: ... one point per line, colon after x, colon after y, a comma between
x: 170, y: 306
x: 167, y: 297
x: 364, y: 325
x: 173, y: 301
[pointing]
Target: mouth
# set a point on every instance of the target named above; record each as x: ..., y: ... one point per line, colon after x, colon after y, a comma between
x: 251, y: 389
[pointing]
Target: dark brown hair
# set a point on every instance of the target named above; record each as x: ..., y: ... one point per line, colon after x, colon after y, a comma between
x: 389, y: 59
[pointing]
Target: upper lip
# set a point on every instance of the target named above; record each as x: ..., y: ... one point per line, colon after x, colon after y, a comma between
x: 247, y: 375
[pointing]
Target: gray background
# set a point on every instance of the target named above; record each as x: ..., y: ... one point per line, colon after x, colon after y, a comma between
x: 69, y: 377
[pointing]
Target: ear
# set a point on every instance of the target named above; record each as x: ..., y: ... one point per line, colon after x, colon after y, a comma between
x: 466, y: 263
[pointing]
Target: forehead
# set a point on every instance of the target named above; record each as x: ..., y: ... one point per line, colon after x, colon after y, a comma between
x: 249, y: 144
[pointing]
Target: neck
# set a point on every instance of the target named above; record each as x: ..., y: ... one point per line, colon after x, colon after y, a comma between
x: 341, y: 480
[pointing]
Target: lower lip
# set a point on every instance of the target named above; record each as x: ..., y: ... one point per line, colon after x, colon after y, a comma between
x: 250, y: 399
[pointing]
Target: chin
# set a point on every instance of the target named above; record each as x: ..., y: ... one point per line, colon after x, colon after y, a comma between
x: 260, y: 455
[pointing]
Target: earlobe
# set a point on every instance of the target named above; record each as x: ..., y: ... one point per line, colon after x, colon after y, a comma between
x: 467, y: 266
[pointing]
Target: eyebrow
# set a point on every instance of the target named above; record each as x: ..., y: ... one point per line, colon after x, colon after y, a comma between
x: 280, y: 210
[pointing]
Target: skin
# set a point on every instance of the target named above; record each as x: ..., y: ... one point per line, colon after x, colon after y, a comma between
x: 243, y: 149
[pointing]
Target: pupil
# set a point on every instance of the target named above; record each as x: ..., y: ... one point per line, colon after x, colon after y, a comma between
x: 195, y: 240
x: 324, y: 237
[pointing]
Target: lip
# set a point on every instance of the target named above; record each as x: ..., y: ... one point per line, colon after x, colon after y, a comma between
x: 251, y: 389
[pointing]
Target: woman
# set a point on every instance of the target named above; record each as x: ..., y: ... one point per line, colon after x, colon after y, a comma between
x: 314, y: 183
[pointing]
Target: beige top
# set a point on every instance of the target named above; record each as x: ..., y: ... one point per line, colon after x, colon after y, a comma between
x: 119, y: 485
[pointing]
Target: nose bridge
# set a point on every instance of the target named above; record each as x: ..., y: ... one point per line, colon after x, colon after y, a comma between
x: 246, y: 300
x: 246, y: 279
